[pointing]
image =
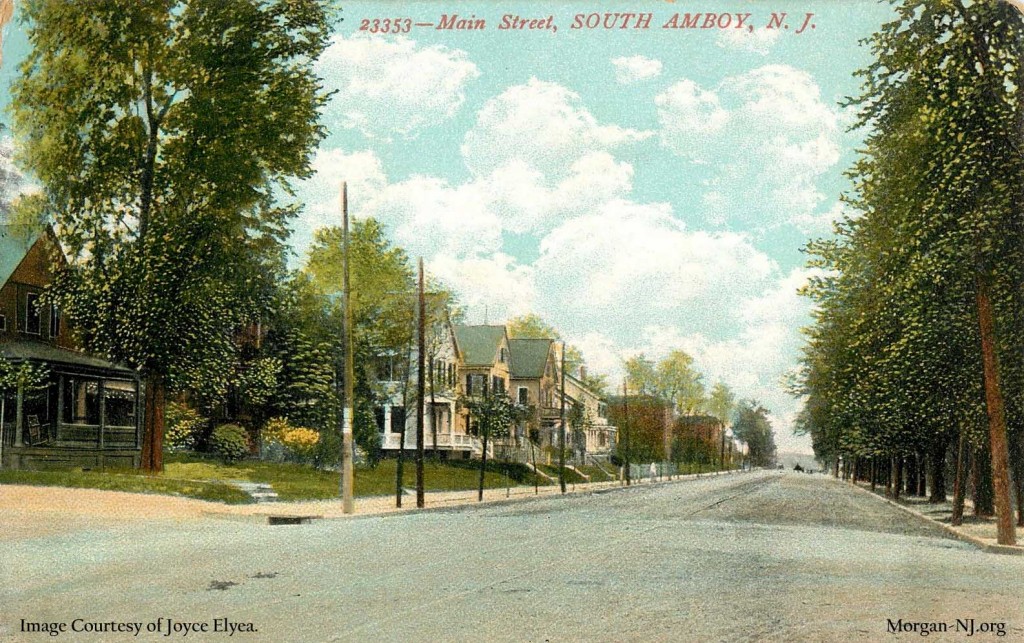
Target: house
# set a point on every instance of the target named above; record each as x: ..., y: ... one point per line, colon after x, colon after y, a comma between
x: 534, y: 385
x: 645, y: 427
x: 700, y: 438
x: 599, y: 436
x: 85, y: 411
x: 443, y: 431
x: 486, y: 366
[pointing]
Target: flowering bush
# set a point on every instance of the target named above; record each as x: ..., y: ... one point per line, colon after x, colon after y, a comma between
x: 299, y: 443
x: 184, y: 426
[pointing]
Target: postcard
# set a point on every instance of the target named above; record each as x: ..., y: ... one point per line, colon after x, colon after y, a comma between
x: 511, y: 321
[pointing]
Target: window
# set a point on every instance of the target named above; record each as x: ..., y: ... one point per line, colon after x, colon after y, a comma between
x: 3, y: 322
x: 32, y: 321
x: 397, y: 419
x: 378, y: 417
x: 451, y: 375
x: 54, y: 321
x: 504, y: 356
x: 602, y: 438
x: 476, y: 384
x: 524, y: 395
x: 497, y: 384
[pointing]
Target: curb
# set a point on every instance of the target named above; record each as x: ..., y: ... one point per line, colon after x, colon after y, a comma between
x: 460, y: 506
x: 980, y: 543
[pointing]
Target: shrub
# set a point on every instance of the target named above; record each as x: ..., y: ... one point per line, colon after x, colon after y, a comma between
x: 230, y: 442
x: 298, y: 443
x: 184, y: 427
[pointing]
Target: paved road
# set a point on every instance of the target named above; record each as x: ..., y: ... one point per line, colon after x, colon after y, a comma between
x: 764, y: 556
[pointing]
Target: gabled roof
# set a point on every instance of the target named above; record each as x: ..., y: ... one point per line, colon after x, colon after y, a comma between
x: 479, y: 344
x: 529, y: 357
x: 15, y: 242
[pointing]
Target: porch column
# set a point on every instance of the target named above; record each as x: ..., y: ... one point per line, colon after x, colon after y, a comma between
x: 19, y: 435
x: 60, y: 404
x: 139, y: 411
x: 103, y: 409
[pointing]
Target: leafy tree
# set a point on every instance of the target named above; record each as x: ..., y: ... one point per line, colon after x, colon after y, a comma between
x: 752, y: 427
x: 161, y: 131
x: 493, y: 415
x: 673, y: 379
x: 920, y: 317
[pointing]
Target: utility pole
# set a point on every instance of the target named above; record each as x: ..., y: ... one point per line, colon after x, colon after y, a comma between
x: 721, y: 456
x: 625, y: 427
x: 347, y: 504
x: 561, y: 431
x: 420, y: 387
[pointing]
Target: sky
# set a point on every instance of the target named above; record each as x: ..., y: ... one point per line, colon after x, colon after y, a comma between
x: 642, y: 190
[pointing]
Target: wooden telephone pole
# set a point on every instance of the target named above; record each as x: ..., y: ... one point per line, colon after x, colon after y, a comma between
x: 421, y: 386
x: 347, y: 503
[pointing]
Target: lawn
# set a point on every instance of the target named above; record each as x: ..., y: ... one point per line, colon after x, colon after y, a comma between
x: 207, y: 479
x: 131, y: 481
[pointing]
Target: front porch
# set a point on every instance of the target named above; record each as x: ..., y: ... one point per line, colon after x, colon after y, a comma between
x: 86, y: 414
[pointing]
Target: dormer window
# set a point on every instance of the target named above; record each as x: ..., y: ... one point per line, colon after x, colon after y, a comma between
x: 32, y: 320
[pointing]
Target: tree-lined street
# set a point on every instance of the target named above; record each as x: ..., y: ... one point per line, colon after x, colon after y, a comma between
x: 759, y: 556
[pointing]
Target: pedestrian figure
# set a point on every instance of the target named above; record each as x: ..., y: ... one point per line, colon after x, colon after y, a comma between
x: 652, y: 472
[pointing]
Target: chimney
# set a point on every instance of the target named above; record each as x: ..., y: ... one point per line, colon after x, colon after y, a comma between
x: 583, y: 373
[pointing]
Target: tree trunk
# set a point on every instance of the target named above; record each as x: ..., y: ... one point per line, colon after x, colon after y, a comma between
x: 960, y: 482
x: 483, y: 468
x: 911, y: 477
x: 874, y: 473
x: 153, y: 427
x: 888, y: 472
x: 982, y: 491
x: 400, y: 468
x: 937, y: 465
x: 897, y: 476
x: 1000, y: 458
x: 922, y: 475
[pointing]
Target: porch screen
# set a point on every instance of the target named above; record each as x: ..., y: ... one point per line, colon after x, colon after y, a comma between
x: 81, y: 401
x: 119, y: 397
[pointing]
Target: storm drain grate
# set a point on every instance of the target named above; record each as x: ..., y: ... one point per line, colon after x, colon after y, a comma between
x: 290, y: 520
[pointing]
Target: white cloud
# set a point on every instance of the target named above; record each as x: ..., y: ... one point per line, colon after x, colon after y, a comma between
x: 491, y: 288
x: 387, y: 87
x: 630, y: 69
x: 759, y: 41
x: 629, y: 265
x: 768, y: 136
x: 541, y: 124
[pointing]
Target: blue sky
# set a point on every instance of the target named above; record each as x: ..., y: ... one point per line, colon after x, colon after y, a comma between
x: 643, y: 190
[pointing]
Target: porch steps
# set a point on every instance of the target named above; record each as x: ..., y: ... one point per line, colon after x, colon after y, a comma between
x: 258, y: 491
x: 601, y: 467
x: 578, y: 472
x: 540, y: 473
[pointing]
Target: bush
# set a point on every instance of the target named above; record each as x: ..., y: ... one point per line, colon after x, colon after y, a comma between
x: 295, y: 442
x: 230, y: 442
x: 184, y: 427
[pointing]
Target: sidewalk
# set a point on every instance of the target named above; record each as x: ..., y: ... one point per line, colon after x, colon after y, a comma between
x: 433, y: 500
x: 980, y: 532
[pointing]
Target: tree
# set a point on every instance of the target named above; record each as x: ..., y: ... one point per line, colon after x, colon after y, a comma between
x: 672, y: 379
x: 920, y: 323
x: 493, y: 415
x: 161, y: 131
x: 752, y: 427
